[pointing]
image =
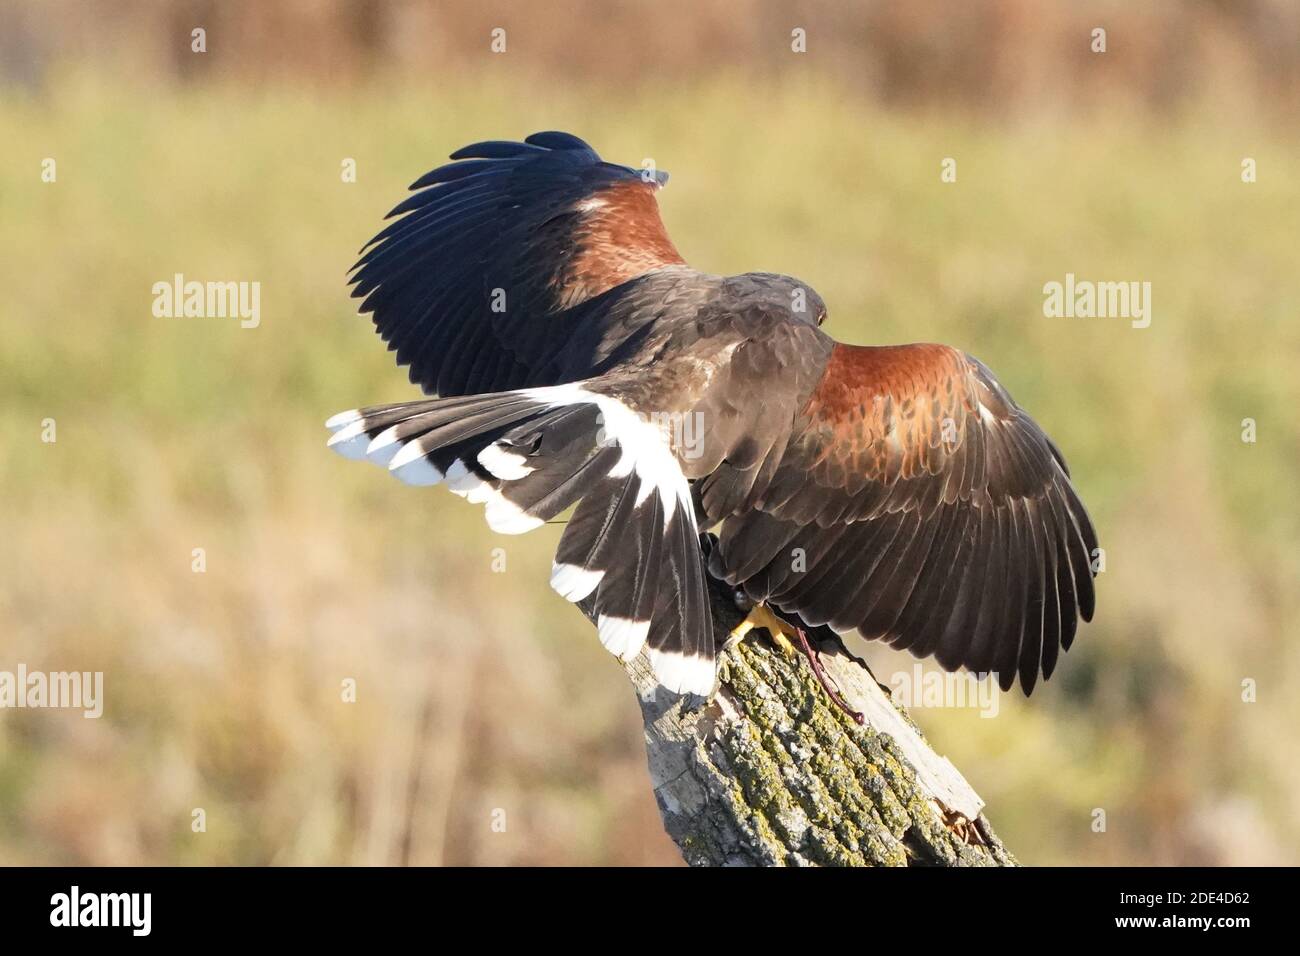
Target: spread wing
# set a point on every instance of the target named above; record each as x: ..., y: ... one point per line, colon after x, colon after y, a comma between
x: 519, y: 264
x: 910, y: 498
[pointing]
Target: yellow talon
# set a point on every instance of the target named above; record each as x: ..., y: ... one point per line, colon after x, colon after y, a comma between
x: 760, y: 616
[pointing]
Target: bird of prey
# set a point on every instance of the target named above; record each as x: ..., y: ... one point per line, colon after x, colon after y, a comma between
x: 567, y: 347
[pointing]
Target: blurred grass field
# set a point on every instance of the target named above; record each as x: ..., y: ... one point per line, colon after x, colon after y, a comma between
x: 482, y: 691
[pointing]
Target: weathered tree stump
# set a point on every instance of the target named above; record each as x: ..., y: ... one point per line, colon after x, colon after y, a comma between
x: 772, y: 773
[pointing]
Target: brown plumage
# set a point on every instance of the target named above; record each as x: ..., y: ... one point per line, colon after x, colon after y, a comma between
x: 896, y: 490
x: 620, y: 238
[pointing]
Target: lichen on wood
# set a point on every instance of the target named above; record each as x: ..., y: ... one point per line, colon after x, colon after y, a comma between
x: 771, y: 773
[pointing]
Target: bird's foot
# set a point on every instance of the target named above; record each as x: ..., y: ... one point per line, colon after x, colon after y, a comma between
x: 760, y: 617
x: 814, y: 658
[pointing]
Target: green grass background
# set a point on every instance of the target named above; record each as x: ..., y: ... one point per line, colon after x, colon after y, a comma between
x: 482, y: 691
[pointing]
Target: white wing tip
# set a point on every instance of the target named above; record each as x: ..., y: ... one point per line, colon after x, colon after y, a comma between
x: 350, y: 440
x: 621, y: 636
x: 504, y: 517
x: 573, y: 582
x: 684, y: 675
x: 506, y: 465
x: 384, y: 446
x: 335, y: 422
x: 411, y: 466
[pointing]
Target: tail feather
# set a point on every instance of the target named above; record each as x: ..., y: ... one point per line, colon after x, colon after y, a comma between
x: 547, y: 493
x: 681, y: 647
x: 631, y: 544
x: 614, y: 551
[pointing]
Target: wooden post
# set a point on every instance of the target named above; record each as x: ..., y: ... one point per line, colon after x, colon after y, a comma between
x: 771, y: 773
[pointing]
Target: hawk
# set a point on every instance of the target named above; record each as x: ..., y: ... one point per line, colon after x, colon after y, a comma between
x: 535, y: 296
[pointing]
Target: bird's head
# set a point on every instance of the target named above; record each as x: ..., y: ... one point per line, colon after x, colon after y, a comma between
x: 816, y: 308
x: 795, y: 297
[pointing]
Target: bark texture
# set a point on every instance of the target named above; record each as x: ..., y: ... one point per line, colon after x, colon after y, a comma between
x: 771, y: 773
